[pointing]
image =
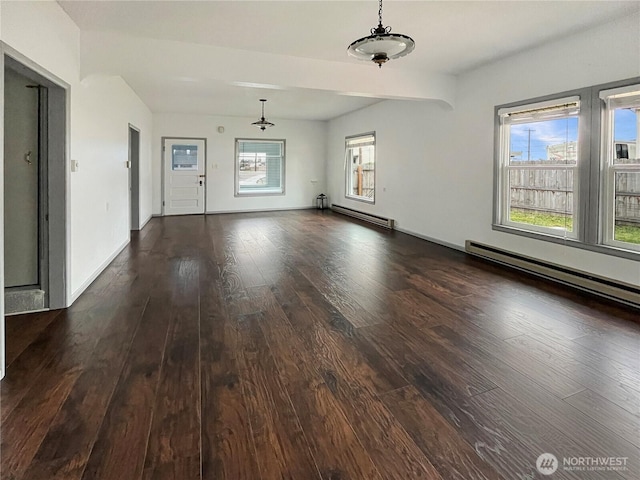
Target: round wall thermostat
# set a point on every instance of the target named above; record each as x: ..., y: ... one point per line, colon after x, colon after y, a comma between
x: 220, y: 129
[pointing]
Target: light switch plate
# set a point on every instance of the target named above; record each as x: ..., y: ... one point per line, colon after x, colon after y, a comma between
x: 74, y: 165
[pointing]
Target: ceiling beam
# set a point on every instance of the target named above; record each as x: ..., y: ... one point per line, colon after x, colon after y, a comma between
x: 119, y: 54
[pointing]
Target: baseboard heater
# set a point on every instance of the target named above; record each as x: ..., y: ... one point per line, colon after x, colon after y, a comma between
x: 367, y: 217
x: 606, y: 287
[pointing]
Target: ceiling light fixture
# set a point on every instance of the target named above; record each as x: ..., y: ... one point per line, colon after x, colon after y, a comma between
x: 381, y: 45
x: 262, y: 124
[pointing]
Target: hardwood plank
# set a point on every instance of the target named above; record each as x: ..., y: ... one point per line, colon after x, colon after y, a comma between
x: 29, y: 407
x: 416, y: 353
x: 228, y: 451
x: 337, y: 450
x: 611, y: 416
x: 24, y: 430
x: 568, y: 307
x: 23, y: 330
x: 510, y: 359
x: 387, y: 375
x: 627, y: 371
x: 68, y: 340
x: 320, y: 339
x: 173, y: 451
x: 415, y: 308
x: 501, y: 448
x: 619, y: 391
x: 533, y: 431
x: 337, y: 292
x: 120, y: 446
x: 612, y: 350
x: 281, y: 447
x: 392, y: 449
x: 66, y: 447
x: 25, y: 370
x: 354, y: 384
x: 447, y: 450
x: 586, y: 433
x: 250, y: 275
x: 363, y: 354
x: 522, y: 318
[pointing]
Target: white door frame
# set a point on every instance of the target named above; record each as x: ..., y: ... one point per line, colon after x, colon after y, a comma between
x: 163, y: 167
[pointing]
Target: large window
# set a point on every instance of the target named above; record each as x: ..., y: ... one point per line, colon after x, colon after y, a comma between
x: 568, y: 168
x: 360, y: 167
x: 621, y: 166
x: 260, y: 167
x: 539, y: 164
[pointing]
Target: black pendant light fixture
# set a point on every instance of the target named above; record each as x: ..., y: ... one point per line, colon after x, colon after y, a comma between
x: 382, y: 45
x: 262, y: 124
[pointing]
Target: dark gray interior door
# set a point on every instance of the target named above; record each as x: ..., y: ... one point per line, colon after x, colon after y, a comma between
x: 21, y: 181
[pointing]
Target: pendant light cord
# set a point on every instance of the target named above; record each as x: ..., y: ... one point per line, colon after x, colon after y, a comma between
x: 380, y: 29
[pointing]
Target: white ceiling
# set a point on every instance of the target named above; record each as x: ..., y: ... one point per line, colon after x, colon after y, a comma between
x: 451, y: 37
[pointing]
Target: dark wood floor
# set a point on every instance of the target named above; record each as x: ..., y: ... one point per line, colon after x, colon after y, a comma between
x: 301, y: 345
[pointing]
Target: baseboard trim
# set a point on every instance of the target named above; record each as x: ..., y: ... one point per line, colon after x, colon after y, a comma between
x: 452, y: 246
x: 28, y: 311
x: 80, y: 290
x: 612, y: 289
x: 144, y: 224
x: 258, y: 210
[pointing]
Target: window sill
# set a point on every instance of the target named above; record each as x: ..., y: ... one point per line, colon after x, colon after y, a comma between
x: 258, y: 194
x: 360, y: 199
x: 571, y: 242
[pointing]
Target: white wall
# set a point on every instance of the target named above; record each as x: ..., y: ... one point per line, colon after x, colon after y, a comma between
x: 305, y: 159
x: 100, y: 210
x: 437, y: 164
x: 100, y: 110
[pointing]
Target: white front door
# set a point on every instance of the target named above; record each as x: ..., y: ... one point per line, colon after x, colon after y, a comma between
x: 184, y: 178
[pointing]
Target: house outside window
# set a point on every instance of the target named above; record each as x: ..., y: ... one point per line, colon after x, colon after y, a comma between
x: 259, y: 167
x: 360, y: 167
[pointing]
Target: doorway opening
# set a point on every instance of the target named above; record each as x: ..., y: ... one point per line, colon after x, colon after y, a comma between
x: 34, y: 190
x: 134, y: 177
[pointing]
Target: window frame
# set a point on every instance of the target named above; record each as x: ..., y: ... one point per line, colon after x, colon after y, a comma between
x: 347, y: 169
x: 505, y: 166
x: 588, y: 220
x: 609, y: 171
x: 257, y: 192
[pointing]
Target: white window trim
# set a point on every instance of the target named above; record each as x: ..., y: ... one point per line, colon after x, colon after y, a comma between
x: 261, y: 192
x: 593, y: 179
x: 347, y: 168
x: 614, y: 98
x: 525, y: 113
